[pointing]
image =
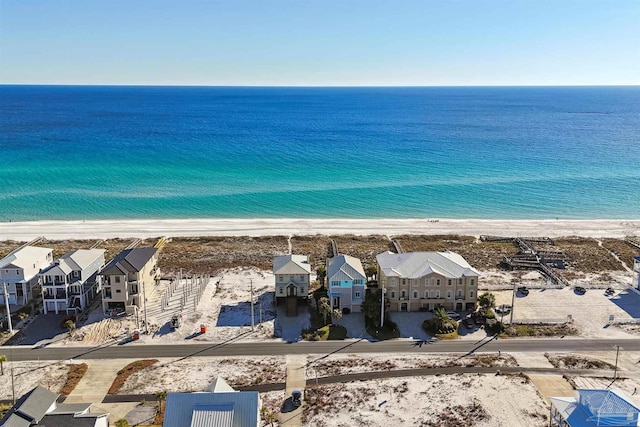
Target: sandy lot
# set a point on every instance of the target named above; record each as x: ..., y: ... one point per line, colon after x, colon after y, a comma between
x: 29, y: 374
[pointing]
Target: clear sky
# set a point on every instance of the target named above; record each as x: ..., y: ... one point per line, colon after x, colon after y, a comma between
x: 320, y: 42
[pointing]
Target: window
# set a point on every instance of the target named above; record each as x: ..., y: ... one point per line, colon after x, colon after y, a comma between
x: 437, y: 294
x: 403, y: 294
x: 404, y: 282
x: 280, y: 278
x: 472, y: 282
x: 302, y: 289
x: 18, y: 272
x: 459, y: 281
x: 460, y: 293
x: 335, y: 283
x: 437, y: 282
x: 393, y: 281
x: 281, y: 291
x: 117, y: 279
x: 448, y: 294
x: 449, y: 282
x: 470, y: 294
x: 393, y: 294
x: 302, y: 276
x: 75, y: 273
x: 415, y: 294
x: 118, y: 291
x: 356, y: 294
x: 426, y: 294
x: 414, y: 282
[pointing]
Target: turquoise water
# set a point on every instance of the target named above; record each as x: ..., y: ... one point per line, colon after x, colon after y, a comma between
x: 73, y: 152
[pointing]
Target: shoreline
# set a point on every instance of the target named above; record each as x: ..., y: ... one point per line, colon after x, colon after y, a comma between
x: 257, y: 227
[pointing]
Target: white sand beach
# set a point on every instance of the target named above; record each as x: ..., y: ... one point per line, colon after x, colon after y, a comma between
x: 23, y: 231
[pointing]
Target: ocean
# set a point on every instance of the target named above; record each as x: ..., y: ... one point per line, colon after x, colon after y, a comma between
x: 100, y: 152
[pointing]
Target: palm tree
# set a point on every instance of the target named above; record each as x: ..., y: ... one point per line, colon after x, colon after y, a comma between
x: 371, y: 271
x: 161, y: 396
x: 3, y: 358
x: 122, y: 423
x: 440, y: 318
x: 321, y: 273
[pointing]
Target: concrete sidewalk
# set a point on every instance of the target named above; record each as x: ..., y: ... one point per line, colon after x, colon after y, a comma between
x: 295, y: 381
x: 95, y: 384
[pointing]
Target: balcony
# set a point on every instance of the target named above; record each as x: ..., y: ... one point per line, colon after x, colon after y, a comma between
x: 57, y: 295
x: 459, y: 298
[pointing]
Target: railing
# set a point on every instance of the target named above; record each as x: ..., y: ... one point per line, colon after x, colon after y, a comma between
x: 59, y: 295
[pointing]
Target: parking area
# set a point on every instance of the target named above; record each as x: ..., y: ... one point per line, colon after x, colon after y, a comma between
x: 591, y: 311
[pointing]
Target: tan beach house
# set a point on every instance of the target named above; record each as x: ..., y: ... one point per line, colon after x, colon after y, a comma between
x: 19, y: 272
x: 127, y: 278
x: 415, y: 281
x: 71, y: 282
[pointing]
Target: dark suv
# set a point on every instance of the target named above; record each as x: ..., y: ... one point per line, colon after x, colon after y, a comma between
x: 522, y: 290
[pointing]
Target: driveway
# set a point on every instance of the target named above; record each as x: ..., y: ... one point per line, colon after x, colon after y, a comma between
x: 45, y: 327
x: 290, y: 328
x: 354, y: 322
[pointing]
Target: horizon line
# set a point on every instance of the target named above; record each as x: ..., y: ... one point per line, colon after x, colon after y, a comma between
x: 311, y: 86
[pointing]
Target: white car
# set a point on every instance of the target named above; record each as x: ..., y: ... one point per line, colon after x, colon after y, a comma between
x: 453, y: 315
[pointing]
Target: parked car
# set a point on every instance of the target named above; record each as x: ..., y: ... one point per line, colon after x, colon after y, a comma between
x: 522, y: 290
x: 468, y: 322
x: 609, y: 291
x: 503, y: 309
x: 580, y: 290
x: 453, y: 315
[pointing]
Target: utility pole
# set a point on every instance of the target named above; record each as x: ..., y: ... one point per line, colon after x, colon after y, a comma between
x: 144, y: 297
x: 513, y: 302
x: 6, y: 303
x: 382, y: 307
x: 252, y: 315
x: 615, y: 369
x: 13, y: 388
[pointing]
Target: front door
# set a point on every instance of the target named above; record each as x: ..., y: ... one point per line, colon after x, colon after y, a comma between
x: 292, y: 290
x: 336, y: 302
x: 404, y: 307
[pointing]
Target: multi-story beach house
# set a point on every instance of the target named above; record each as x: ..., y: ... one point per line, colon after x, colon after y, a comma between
x: 19, y: 272
x: 71, y: 282
x: 127, y: 278
x: 415, y: 281
x: 347, y: 283
x: 292, y: 276
x: 636, y: 273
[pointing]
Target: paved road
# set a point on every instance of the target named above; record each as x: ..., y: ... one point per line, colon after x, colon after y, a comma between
x: 322, y: 348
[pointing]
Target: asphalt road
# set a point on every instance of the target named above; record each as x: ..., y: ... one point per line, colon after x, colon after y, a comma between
x: 134, y: 350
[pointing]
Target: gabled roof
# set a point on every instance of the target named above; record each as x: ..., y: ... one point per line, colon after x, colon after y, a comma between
x: 30, y: 407
x: 129, y: 261
x: 413, y: 265
x: 219, y: 385
x: 597, y: 407
x: 24, y: 257
x: 77, y: 260
x: 207, y: 409
x: 291, y: 264
x: 70, y: 420
x: 345, y: 268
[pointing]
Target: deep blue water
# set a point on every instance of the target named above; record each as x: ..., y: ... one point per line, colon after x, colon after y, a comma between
x: 78, y: 152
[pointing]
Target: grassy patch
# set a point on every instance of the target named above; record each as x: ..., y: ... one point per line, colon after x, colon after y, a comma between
x: 542, y: 330
x: 450, y: 336
x: 388, y: 331
x: 127, y: 371
x: 74, y: 375
x: 569, y: 361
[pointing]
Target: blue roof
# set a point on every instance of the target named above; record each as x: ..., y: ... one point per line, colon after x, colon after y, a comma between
x: 597, y: 407
x: 232, y: 409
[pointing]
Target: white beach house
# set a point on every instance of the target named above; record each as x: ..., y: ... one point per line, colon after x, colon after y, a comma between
x: 292, y: 275
x: 416, y: 281
x: 71, y: 282
x: 347, y: 282
x: 19, y: 272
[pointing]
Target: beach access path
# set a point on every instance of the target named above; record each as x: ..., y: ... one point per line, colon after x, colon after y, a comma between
x: 106, y: 229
